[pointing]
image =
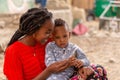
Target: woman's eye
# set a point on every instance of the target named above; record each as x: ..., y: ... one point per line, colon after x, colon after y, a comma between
x: 57, y: 37
x: 48, y: 32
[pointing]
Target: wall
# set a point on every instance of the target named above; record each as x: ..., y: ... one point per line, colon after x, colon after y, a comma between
x: 15, y: 6
x: 85, y: 4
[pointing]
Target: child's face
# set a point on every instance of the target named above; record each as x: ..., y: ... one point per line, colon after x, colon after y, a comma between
x: 44, y: 32
x: 61, y: 36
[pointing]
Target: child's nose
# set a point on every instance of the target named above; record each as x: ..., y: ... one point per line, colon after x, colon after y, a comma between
x: 61, y: 39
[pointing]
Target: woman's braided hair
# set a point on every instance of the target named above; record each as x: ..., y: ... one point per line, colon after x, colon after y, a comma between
x: 30, y: 22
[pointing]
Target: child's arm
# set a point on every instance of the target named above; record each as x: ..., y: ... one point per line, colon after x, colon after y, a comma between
x: 78, y: 59
x: 82, y: 57
x: 49, y: 55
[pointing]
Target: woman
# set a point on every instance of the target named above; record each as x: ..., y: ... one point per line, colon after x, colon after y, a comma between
x: 24, y: 56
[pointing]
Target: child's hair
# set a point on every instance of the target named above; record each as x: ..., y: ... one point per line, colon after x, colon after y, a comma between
x: 30, y: 22
x: 60, y: 22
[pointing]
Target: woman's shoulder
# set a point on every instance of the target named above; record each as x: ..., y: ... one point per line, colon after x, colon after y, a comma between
x: 13, y: 49
x: 15, y: 46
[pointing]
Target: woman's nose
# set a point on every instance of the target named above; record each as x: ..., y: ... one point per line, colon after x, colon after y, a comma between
x: 48, y: 35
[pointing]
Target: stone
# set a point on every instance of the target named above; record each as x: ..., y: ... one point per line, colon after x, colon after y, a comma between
x: 57, y: 4
x: 2, y: 24
x: 79, y: 13
x: 111, y: 60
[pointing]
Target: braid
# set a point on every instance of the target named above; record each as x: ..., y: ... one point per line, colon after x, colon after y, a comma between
x: 30, y: 22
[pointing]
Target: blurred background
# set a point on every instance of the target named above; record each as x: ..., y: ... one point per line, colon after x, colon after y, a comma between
x: 95, y: 27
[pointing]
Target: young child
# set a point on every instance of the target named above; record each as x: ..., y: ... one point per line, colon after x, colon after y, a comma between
x: 61, y: 49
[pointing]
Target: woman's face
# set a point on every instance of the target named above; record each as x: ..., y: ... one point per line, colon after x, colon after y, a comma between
x: 44, y: 32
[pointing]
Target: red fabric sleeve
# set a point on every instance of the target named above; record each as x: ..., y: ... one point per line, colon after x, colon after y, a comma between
x: 12, y: 65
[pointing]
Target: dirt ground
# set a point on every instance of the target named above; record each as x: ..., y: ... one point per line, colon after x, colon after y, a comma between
x: 101, y: 47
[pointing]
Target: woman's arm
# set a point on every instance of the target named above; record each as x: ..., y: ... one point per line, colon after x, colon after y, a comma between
x: 53, y: 68
x: 43, y: 76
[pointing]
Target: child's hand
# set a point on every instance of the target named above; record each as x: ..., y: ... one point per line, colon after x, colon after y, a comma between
x: 78, y: 63
x: 75, y: 62
x: 71, y: 60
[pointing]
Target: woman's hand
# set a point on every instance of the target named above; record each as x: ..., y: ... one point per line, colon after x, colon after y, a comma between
x: 58, y: 66
x: 53, y: 68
